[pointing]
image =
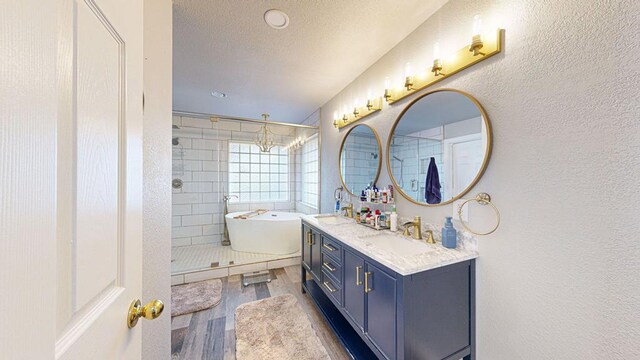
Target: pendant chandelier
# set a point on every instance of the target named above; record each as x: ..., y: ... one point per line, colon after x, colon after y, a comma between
x: 264, y: 139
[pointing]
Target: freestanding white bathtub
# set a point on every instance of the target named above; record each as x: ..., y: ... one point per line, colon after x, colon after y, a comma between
x: 273, y: 232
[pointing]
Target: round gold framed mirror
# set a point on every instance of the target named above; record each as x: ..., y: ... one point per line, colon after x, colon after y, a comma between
x: 360, y: 158
x: 439, y: 147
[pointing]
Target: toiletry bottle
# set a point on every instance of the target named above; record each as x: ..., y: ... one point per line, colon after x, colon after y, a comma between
x: 376, y: 220
x: 337, y: 210
x: 390, y: 199
x: 384, y: 195
x: 394, y: 219
x: 387, y: 218
x: 449, y: 234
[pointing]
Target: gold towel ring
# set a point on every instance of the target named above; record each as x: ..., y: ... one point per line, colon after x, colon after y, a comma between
x: 482, y: 199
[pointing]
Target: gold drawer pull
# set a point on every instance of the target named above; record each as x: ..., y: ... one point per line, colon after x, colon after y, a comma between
x: 358, y: 282
x: 329, y: 247
x: 328, y: 286
x: 329, y: 267
x: 309, y: 237
x: 366, y: 282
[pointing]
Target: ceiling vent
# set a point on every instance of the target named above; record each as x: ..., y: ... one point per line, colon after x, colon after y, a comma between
x: 276, y: 19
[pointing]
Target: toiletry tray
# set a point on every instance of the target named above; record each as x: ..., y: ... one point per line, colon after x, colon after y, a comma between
x: 376, y: 203
x: 373, y: 227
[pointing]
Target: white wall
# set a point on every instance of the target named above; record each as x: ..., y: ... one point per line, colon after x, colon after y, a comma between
x: 156, y: 334
x: 559, y: 279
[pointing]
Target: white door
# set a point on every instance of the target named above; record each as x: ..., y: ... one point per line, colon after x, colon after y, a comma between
x: 99, y: 179
x: 72, y: 173
x: 463, y: 158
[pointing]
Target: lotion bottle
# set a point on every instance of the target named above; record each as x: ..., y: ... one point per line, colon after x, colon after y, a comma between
x: 394, y: 219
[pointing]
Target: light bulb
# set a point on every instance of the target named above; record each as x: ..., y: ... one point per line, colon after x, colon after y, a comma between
x: 436, y: 51
x: 335, y: 115
x: 369, y: 94
x: 399, y: 83
x: 387, y: 83
x: 356, y: 101
x: 477, y: 25
x: 407, y: 70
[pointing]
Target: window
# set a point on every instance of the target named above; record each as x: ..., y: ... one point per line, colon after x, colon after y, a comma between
x: 309, y: 173
x: 255, y: 176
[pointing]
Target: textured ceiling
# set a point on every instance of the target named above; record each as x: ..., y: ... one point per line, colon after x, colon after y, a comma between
x: 226, y: 45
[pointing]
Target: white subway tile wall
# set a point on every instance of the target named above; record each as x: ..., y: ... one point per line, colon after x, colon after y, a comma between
x: 409, y: 163
x: 359, y: 162
x: 201, y: 161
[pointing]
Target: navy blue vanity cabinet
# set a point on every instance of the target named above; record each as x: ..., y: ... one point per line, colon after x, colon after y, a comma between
x: 379, y: 313
x: 380, y: 299
x: 307, y: 235
x: 438, y: 313
x: 353, y: 288
x: 311, y: 258
x: 316, y: 257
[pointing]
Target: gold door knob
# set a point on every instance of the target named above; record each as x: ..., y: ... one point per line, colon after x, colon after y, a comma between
x: 150, y: 311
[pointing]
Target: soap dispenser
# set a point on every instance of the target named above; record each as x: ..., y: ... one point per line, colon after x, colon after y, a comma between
x: 449, y: 234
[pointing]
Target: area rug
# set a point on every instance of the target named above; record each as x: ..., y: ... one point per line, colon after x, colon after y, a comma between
x: 195, y: 296
x: 276, y: 328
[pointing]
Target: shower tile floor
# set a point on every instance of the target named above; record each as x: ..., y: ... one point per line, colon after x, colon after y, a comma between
x: 185, y: 259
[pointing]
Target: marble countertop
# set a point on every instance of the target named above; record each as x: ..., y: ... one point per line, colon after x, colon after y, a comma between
x: 417, y: 255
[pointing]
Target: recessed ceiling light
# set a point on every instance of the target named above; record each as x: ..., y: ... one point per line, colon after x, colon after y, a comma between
x: 218, y: 94
x: 276, y: 19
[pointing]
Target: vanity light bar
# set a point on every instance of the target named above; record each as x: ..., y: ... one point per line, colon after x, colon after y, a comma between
x: 481, y: 47
x: 467, y: 56
x: 359, y: 112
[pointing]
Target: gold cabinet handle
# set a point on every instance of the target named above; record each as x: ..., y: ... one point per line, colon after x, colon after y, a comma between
x: 313, y: 239
x: 329, y: 247
x: 150, y: 311
x: 358, y: 282
x: 366, y: 282
x: 328, y: 286
x: 328, y: 266
x: 309, y: 237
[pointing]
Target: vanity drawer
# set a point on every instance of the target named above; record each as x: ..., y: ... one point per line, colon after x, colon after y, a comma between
x: 331, y: 288
x: 332, y: 268
x: 332, y: 248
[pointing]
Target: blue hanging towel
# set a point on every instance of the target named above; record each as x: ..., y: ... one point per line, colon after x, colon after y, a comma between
x: 432, y: 187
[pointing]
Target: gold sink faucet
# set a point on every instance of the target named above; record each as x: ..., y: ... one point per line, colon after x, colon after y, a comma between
x: 349, y: 210
x: 416, y: 224
x: 430, y: 239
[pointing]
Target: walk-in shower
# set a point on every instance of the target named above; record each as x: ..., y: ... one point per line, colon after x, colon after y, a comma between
x: 222, y: 170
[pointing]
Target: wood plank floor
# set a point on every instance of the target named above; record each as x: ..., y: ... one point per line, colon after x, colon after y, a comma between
x: 210, y: 334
